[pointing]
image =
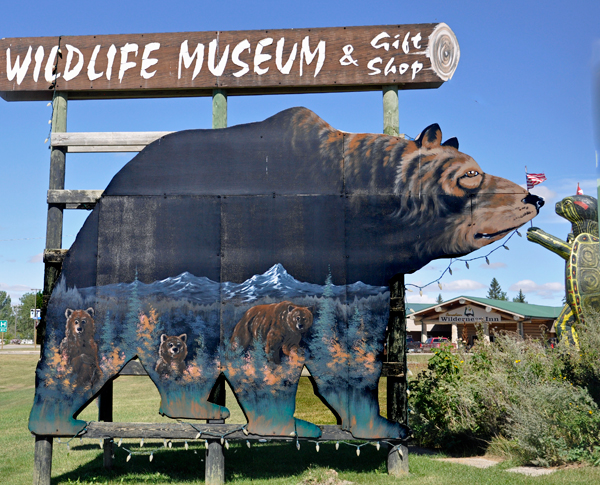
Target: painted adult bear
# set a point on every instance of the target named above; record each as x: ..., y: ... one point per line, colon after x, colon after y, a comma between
x: 202, y: 225
x: 79, y: 349
x: 279, y: 325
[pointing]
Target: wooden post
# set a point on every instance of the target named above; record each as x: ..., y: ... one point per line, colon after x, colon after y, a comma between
x: 105, y: 413
x: 43, y: 444
x: 397, y: 405
x: 42, y: 465
x: 54, y: 224
x: 214, y: 472
x: 214, y: 467
x: 398, y: 460
x: 391, y: 114
x: 219, y: 109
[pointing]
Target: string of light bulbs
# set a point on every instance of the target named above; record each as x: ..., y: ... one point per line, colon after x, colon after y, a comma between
x: 169, y: 444
x: 463, y: 260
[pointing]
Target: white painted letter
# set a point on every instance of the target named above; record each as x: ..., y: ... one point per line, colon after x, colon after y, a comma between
x: 146, y: 63
x: 72, y: 73
x: 18, y: 69
x: 310, y: 56
x: 235, y: 57
x: 212, y: 54
x: 377, y: 38
x: 125, y: 50
x: 416, y: 39
x: 91, y: 69
x: 39, y: 57
x: 405, y: 46
x: 184, y: 56
x: 416, y: 67
x: 259, y: 57
x: 403, y: 68
x: 389, y: 67
x: 112, y: 52
x: 279, y: 57
x: 50, y: 66
x: 371, y: 65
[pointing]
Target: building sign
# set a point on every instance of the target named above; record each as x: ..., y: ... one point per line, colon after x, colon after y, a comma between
x: 469, y: 314
x: 243, y: 62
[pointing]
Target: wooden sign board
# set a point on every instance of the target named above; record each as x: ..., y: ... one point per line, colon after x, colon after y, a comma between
x: 242, y: 62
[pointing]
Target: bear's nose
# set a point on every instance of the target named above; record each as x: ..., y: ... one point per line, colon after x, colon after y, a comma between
x: 534, y: 200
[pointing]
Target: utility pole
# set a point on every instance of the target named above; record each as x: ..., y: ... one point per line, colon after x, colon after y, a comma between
x: 35, y: 320
x: 16, y: 310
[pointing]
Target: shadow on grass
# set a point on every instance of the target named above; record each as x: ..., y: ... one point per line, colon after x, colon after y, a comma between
x: 261, y: 461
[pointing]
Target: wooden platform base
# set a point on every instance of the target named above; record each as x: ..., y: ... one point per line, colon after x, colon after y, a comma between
x: 215, y: 460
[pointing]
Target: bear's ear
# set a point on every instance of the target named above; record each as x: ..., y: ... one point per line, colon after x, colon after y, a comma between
x: 452, y: 142
x: 183, y: 337
x: 290, y: 308
x: 90, y: 311
x: 163, y: 337
x: 68, y: 313
x: 430, y: 137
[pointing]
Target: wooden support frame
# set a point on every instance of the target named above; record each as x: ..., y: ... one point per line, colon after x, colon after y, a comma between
x: 397, y: 397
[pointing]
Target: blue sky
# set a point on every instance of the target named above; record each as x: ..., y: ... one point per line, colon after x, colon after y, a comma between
x: 521, y: 96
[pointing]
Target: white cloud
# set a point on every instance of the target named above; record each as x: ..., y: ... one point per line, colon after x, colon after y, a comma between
x: 420, y: 299
x: 495, y: 265
x: 38, y: 258
x: 463, y: 285
x: 14, y: 291
x: 542, y: 191
x: 547, y: 291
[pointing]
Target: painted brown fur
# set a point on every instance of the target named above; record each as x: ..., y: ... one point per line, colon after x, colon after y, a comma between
x: 430, y: 181
x: 280, y: 326
x: 80, y: 348
x: 171, y: 356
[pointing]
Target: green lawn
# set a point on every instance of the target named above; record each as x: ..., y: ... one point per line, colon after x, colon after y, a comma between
x: 136, y: 399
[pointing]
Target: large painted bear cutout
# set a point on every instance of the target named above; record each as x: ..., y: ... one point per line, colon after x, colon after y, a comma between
x: 254, y: 251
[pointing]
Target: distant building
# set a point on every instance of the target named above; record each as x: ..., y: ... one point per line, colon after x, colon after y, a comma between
x: 450, y: 318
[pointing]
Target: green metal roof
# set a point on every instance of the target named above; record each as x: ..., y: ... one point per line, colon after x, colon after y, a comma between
x: 525, y: 309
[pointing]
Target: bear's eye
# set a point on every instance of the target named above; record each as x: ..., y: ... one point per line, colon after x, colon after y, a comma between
x: 170, y: 345
x: 82, y: 322
x: 472, y: 173
x: 76, y: 322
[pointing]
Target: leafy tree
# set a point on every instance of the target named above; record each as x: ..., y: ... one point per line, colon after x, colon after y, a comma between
x: 495, y: 291
x: 439, y: 299
x: 27, y: 302
x: 6, y: 312
x: 520, y: 298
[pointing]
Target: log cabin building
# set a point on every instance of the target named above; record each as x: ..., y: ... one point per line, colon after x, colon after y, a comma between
x: 457, y: 318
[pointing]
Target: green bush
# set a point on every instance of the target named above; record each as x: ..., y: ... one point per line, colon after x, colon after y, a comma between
x: 518, y: 396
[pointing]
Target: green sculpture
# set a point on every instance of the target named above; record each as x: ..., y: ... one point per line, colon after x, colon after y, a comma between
x: 582, y: 271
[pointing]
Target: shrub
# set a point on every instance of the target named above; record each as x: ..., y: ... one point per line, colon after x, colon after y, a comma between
x: 522, y: 397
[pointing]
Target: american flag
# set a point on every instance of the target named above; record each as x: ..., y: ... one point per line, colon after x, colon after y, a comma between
x: 533, y: 179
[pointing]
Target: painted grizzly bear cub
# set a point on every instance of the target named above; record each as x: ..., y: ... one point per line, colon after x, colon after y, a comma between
x: 171, y: 356
x: 280, y: 326
x: 79, y: 347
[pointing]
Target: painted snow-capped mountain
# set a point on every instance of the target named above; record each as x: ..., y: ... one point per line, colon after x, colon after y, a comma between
x: 275, y: 283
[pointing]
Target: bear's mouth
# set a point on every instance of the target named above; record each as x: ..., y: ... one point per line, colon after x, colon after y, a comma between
x: 488, y: 235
